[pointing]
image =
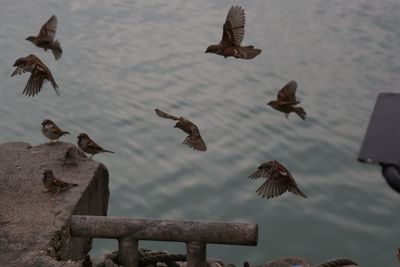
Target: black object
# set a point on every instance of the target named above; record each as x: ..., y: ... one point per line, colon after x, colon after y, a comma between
x: 381, y: 143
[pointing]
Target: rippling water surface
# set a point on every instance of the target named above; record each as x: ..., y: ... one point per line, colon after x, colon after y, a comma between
x: 124, y: 58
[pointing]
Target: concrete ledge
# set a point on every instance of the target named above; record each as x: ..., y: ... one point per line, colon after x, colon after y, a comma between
x: 34, y: 228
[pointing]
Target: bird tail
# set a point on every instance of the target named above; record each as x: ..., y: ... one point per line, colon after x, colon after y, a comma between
x: 56, y: 49
x: 64, y: 132
x: 300, y: 111
x: 53, y: 83
x: 248, y: 52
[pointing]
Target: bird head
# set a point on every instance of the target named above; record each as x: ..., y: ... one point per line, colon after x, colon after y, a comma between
x: 47, y: 175
x: 82, y: 136
x: 272, y: 103
x: 19, y: 62
x: 31, y: 38
x: 212, y: 49
x: 47, y: 122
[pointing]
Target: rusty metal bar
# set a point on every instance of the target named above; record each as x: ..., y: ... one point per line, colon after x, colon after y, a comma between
x: 196, y: 254
x: 164, y: 230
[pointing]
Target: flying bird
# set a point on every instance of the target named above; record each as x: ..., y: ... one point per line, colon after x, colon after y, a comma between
x: 53, y: 184
x: 39, y: 74
x: 232, y: 36
x: 279, y: 180
x: 89, y: 146
x: 45, y: 38
x: 52, y: 131
x: 193, y: 139
x: 286, y: 101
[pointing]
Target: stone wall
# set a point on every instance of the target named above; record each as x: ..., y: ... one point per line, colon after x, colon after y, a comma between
x: 33, y: 224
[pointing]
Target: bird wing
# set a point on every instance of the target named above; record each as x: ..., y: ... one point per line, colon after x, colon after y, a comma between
x: 264, y: 170
x: 272, y: 188
x: 165, y: 115
x: 57, y: 130
x: 287, y: 177
x: 93, y: 145
x: 233, y: 30
x: 18, y: 70
x: 48, y: 30
x: 35, y: 82
x: 194, y: 139
x: 58, y: 183
x: 288, y: 93
x: 247, y: 52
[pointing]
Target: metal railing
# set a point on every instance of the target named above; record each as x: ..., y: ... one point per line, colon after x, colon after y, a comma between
x: 196, y: 235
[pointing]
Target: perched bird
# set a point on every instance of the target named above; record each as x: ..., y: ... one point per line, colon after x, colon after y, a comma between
x: 71, y: 154
x: 45, y: 39
x: 193, y: 139
x: 286, y: 101
x: 398, y: 254
x: 54, y: 185
x: 89, y: 146
x: 279, y: 180
x: 40, y: 73
x: 232, y: 36
x: 51, y: 130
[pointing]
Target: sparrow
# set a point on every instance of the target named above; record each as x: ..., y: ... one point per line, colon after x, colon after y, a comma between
x: 51, y: 130
x: 398, y: 254
x: 54, y: 185
x: 89, y: 146
x: 279, y: 180
x: 39, y: 74
x: 45, y: 39
x: 71, y: 154
x: 232, y: 36
x: 286, y: 101
x: 193, y: 139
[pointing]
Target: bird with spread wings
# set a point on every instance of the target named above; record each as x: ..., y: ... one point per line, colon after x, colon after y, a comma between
x: 232, y: 37
x: 194, y: 139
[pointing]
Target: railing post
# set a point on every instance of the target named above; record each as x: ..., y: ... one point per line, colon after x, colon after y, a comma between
x: 128, y: 254
x: 196, y: 254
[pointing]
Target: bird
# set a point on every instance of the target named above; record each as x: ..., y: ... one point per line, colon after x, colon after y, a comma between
x: 89, y: 146
x: 279, y: 180
x: 286, y: 101
x: 53, y: 184
x: 51, y: 130
x: 232, y: 36
x: 45, y: 38
x: 39, y: 74
x: 71, y: 155
x: 193, y: 139
x: 398, y: 254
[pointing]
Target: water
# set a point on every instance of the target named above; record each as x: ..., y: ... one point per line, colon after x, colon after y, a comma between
x: 122, y: 59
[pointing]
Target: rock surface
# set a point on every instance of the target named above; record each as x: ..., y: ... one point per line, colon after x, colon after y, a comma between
x: 33, y: 224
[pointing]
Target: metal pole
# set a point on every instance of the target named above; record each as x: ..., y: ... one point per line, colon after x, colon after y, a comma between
x: 128, y: 254
x: 196, y: 254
